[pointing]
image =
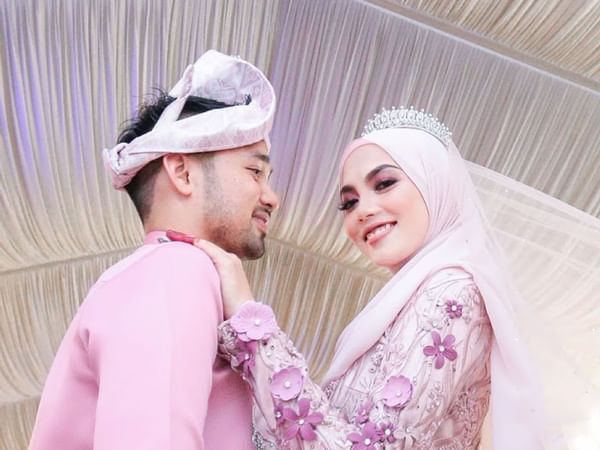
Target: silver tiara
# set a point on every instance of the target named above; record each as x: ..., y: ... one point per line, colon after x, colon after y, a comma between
x: 408, y: 118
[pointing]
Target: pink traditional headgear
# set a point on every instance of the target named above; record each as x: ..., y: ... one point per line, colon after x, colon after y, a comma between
x: 213, y: 76
x: 458, y: 236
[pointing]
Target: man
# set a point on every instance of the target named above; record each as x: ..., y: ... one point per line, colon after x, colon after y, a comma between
x: 137, y: 368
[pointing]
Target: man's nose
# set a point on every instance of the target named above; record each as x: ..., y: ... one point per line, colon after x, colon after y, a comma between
x: 269, y: 198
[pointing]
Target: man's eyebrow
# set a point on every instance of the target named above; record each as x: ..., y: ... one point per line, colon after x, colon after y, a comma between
x: 264, y: 158
x: 378, y: 169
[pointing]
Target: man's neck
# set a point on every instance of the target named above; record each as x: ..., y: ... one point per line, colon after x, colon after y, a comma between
x: 184, y: 226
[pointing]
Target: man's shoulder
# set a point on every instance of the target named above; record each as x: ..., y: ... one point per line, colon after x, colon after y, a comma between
x: 170, y: 273
x: 171, y: 259
x: 154, y: 285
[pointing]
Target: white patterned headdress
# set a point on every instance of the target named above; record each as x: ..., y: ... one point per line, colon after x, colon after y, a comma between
x: 408, y: 118
x: 213, y: 76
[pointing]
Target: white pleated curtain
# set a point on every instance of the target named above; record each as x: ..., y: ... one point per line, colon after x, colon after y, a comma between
x: 71, y: 72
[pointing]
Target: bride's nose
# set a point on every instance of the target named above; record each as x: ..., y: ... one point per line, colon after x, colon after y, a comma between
x: 365, y: 210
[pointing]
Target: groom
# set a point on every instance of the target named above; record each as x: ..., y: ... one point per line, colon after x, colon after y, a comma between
x: 137, y: 368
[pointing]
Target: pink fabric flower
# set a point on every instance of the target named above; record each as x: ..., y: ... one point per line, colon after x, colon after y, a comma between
x: 254, y: 321
x: 454, y: 309
x: 362, y: 415
x: 397, y: 391
x: 366, y: 439
x: 441, y: 349
x: 279, y: 419
x: 287, y: 383
x: 302, y: 423
x: 386, y: 431
x: 245, y: 356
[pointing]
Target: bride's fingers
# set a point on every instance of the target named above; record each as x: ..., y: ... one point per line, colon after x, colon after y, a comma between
x: 213, y: 250
x: 219, y: 257
x: 235, y: 288
x: 181, y: 237
x: 225, y: 262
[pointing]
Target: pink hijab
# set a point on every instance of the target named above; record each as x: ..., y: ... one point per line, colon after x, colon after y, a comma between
x: 458, y: 235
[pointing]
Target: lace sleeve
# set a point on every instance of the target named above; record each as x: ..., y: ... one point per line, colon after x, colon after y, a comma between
x: 297, y: 411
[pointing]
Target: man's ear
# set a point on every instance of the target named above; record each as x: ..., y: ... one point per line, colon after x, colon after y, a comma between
x: 177, y: 167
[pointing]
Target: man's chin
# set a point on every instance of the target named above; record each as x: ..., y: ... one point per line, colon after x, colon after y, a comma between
x: 249, y: 249
x: 255, y: 250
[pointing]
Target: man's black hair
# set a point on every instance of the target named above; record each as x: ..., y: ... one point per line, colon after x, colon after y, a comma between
x: 141, y: 187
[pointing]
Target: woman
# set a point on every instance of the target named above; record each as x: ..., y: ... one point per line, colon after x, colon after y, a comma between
x: 416, y: 367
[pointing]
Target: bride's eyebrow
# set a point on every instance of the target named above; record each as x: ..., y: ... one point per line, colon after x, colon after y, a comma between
x: 368, y: 177
x: 345, y: 189
x: 378, y: 169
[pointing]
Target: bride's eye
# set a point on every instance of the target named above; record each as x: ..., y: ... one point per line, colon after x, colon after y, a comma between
x: 348, y: 204
x: 381, y: 185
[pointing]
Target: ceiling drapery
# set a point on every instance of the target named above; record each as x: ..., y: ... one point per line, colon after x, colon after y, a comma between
x: 71, y: 72
x: 563, y: 36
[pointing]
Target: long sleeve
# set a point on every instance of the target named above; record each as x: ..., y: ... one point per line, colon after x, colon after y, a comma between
x: 294, y: 406
x: 151, y: 340
x: 405, y: 392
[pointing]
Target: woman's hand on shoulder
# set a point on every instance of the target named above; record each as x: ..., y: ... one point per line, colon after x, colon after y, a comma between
x: 235, y: 288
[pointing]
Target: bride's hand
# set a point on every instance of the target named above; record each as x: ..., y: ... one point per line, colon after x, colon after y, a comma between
x: 234, y: 283
x: 235, y: 288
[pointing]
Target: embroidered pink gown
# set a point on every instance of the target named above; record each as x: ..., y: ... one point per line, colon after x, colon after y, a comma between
x: 137, y: 368
x: 424, y: 385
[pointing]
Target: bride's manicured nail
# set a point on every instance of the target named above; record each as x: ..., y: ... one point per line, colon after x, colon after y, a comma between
x: 180, y: 237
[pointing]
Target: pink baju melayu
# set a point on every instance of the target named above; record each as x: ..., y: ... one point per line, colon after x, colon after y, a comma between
x: 137, y: 368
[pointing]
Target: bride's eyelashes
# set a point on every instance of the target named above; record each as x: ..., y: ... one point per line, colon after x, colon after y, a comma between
x: 384, y: 184
x: 347, y: 205
x: 379, y: 186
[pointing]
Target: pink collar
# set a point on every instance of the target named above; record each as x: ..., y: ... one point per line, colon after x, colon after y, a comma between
x: 156, y: 237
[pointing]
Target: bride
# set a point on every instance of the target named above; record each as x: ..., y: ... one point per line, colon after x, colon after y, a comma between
x: 419, y: 367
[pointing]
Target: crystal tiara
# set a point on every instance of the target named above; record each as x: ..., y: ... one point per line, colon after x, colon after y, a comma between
x: 408, y: 118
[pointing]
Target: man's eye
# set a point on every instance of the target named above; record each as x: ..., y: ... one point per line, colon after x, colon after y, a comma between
x: 348, y: 204
x: 256, y: 171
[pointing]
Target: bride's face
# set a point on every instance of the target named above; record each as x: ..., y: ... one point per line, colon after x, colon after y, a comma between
x: 384, y: 213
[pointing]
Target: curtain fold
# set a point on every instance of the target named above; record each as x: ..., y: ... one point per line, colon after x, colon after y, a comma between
x: 564, y: 34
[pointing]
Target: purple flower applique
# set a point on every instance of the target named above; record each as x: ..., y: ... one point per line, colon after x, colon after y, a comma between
x: 454, y: 309
x: 279, y: 419
x: 397, y: 391
x: 441, y: 349
x: 245, y: 356
x: 254, y: 321
x: 362, y: 415
x: 386, y: 431
x: 366, y: 439
x: 301, y: 423
x: 287, y: 383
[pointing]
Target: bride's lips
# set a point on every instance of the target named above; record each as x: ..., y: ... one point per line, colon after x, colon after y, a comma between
x: 376, y: 232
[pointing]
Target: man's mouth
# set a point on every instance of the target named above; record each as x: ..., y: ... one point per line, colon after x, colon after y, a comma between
x: 261, y: 219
